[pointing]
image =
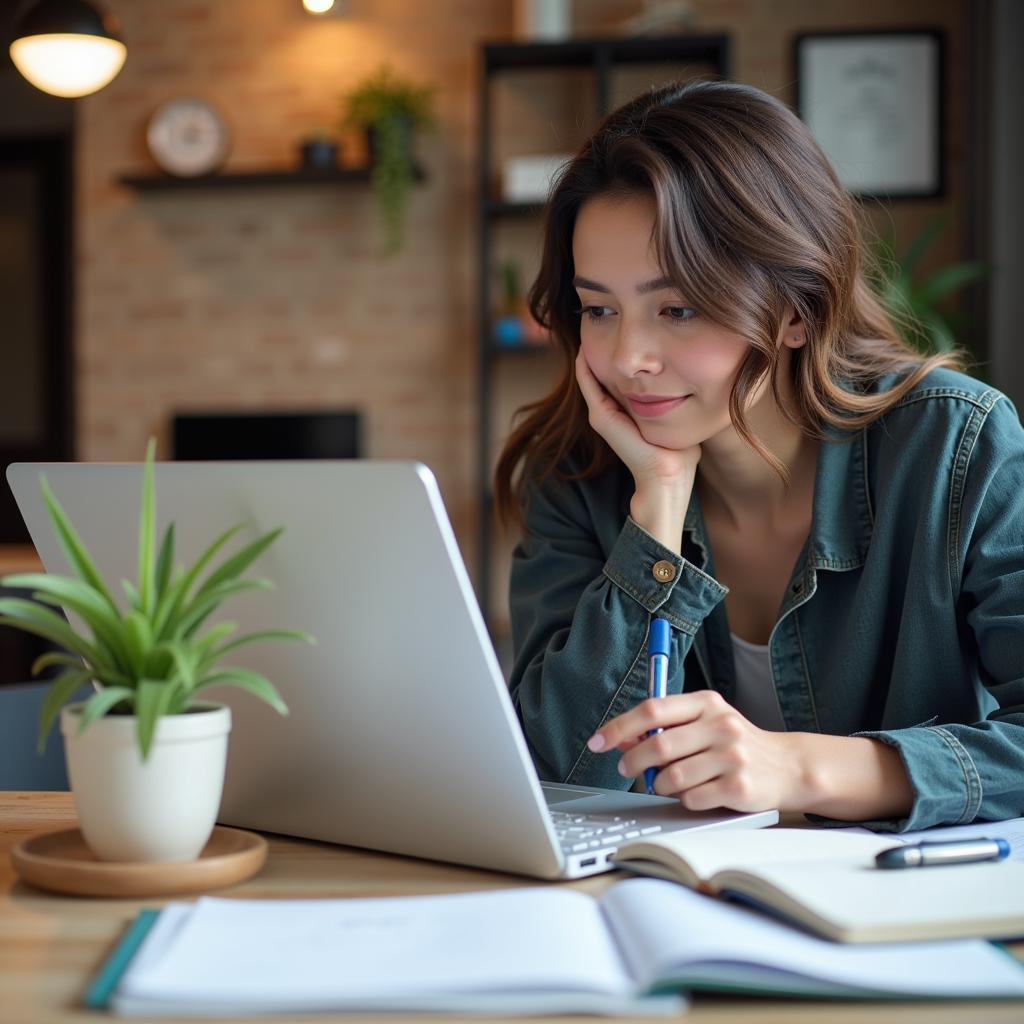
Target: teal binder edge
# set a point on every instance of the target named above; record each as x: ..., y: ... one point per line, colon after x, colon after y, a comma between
x: 97, y: 997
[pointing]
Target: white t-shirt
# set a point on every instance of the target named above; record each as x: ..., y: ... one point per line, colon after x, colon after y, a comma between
x: 755, y: 699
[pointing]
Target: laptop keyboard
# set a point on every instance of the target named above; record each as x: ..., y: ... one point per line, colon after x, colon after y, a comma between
x: 579, y: 832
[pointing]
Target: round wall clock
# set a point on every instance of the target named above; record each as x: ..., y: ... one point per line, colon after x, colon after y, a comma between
x: 187, y: 137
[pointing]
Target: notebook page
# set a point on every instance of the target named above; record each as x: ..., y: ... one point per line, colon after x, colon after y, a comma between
x: 667, y: 930
x: 708, y: 852
x: 985, y: 898
x: 302, y: 952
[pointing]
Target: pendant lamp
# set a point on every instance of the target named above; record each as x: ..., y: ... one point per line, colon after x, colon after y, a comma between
x: 67, y: 47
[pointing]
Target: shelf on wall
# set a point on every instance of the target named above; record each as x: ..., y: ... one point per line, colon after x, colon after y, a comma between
x: 515, y: 350
x: 504, y: 208
x: 617, y: 49
x: 295, y: 176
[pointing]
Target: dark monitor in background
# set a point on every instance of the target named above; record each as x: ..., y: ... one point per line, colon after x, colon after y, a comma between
x: 266, y: 435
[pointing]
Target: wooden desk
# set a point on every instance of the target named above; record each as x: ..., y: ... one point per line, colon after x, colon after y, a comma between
x: 50, y: 946
x: 19, y: 558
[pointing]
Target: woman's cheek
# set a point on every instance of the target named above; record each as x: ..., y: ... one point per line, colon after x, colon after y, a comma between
x: 597, y: 359
x: 710, y: 361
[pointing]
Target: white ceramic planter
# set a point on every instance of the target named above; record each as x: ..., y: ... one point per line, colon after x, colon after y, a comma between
x: 159, y: 810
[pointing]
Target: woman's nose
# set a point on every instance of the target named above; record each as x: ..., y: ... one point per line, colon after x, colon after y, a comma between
x: 636, y: 351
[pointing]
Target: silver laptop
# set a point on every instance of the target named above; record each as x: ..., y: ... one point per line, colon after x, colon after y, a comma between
x: 402, y: 735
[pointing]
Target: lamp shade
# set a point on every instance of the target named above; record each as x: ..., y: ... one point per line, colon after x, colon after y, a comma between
x: 67, y: 47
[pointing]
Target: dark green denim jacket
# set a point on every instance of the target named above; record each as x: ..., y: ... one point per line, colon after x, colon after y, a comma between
x: 903, y: 619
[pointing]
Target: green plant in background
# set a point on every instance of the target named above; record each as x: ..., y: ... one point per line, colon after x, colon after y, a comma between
x: 916, y: 305
x: 152, y: 659
x: 390, y: 108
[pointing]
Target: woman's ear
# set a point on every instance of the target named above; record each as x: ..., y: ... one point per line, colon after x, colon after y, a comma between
x: 793, y: 335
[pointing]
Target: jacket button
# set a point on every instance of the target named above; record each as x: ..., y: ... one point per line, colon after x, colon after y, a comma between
x: 663, y: 571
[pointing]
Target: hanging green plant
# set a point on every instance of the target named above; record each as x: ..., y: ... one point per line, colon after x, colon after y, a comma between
x: 916, y: 305
x: 390, y: 109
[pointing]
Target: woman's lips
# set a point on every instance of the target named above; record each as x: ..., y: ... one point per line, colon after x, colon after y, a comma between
x: 652, y: 406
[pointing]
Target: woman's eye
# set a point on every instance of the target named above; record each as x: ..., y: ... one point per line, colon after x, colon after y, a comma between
x: 680, y: 313
x: 595, y: 313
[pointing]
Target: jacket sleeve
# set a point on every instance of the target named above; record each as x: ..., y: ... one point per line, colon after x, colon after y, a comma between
x: 960, y: 772
x: 580, y: 619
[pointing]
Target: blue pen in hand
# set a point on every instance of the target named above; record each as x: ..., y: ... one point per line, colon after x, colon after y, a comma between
x: 658, y: 647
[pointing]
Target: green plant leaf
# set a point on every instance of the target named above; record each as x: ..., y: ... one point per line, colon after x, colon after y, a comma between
x: 151, y: 700
x: 295, y: 635
x: 104, y: 676
x: 178, y: 700
x: 192, y: 617
x: 166, y: 614
x: 33, y: 618
x: 72, y: 546
x: 78, y: 597
x: 184, y: 659
x: 100, y: 703
x: 165, y: 562
x: 937, y: 334
x: 256, y: 684
x: 923, y: 241
x: 131, y: 593
x: 56, y: 697
x: 147, y: 528
x: 213, y: 636
x: 138, y: 637
x: 55, y: 658
x: 239, y: 562
x: 948, y: 280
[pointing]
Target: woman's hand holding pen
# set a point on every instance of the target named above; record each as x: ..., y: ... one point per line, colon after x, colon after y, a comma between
x: 663, y: 476
x: 708, y: 755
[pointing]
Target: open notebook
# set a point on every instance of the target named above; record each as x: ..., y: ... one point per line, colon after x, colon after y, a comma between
x: 520, y: 951
x: 827, y: 881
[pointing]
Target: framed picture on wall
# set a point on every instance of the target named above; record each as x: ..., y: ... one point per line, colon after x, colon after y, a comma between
x: 874, y: 103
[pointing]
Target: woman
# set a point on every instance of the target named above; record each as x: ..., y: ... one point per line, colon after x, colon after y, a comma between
x: 742, y: 444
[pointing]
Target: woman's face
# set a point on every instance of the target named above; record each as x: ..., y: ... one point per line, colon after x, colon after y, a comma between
x: 670, y: 368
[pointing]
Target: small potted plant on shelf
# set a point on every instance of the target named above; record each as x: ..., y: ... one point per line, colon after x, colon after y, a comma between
x: 319, y: 149
x: 146, y: 753
x: 390, y: 109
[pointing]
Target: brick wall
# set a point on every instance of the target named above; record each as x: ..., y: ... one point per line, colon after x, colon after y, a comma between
x: 272, y: 298
x: 278, y: 298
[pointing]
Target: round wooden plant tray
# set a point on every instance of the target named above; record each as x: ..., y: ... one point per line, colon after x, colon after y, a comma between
x: 62, y: 862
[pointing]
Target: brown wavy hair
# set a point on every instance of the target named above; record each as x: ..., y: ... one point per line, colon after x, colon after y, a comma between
x: 749, y: 218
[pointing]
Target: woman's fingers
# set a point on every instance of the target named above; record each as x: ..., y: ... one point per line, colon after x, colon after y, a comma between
x: 664, y: 748
x: 660, y: 713
x: 682, y: 777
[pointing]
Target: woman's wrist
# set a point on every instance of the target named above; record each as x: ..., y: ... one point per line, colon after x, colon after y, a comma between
x: 661, y: 512
x: 850, y: 778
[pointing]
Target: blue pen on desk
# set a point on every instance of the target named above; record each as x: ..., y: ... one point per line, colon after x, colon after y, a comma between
x: 658, y: 647
x: 937, y: 853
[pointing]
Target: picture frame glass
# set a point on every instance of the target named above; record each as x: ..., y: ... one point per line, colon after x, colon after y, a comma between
x: 872, y: 104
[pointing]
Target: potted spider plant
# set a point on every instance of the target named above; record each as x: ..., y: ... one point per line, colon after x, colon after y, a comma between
x: 146, y: 751
x: 390, y: 109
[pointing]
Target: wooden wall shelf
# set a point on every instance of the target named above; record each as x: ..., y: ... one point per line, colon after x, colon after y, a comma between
x: 242, y: 179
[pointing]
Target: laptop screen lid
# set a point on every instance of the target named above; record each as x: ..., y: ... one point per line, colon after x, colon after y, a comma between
x: 401, y: 734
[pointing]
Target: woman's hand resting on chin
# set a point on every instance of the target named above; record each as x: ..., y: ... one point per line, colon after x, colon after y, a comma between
x: 663, y: 476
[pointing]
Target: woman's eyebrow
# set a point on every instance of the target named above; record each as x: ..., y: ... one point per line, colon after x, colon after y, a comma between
x: 641, y: 289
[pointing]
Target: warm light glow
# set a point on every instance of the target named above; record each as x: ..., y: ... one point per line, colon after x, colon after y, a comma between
x: 68, y: 65
x: 318, y: 6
